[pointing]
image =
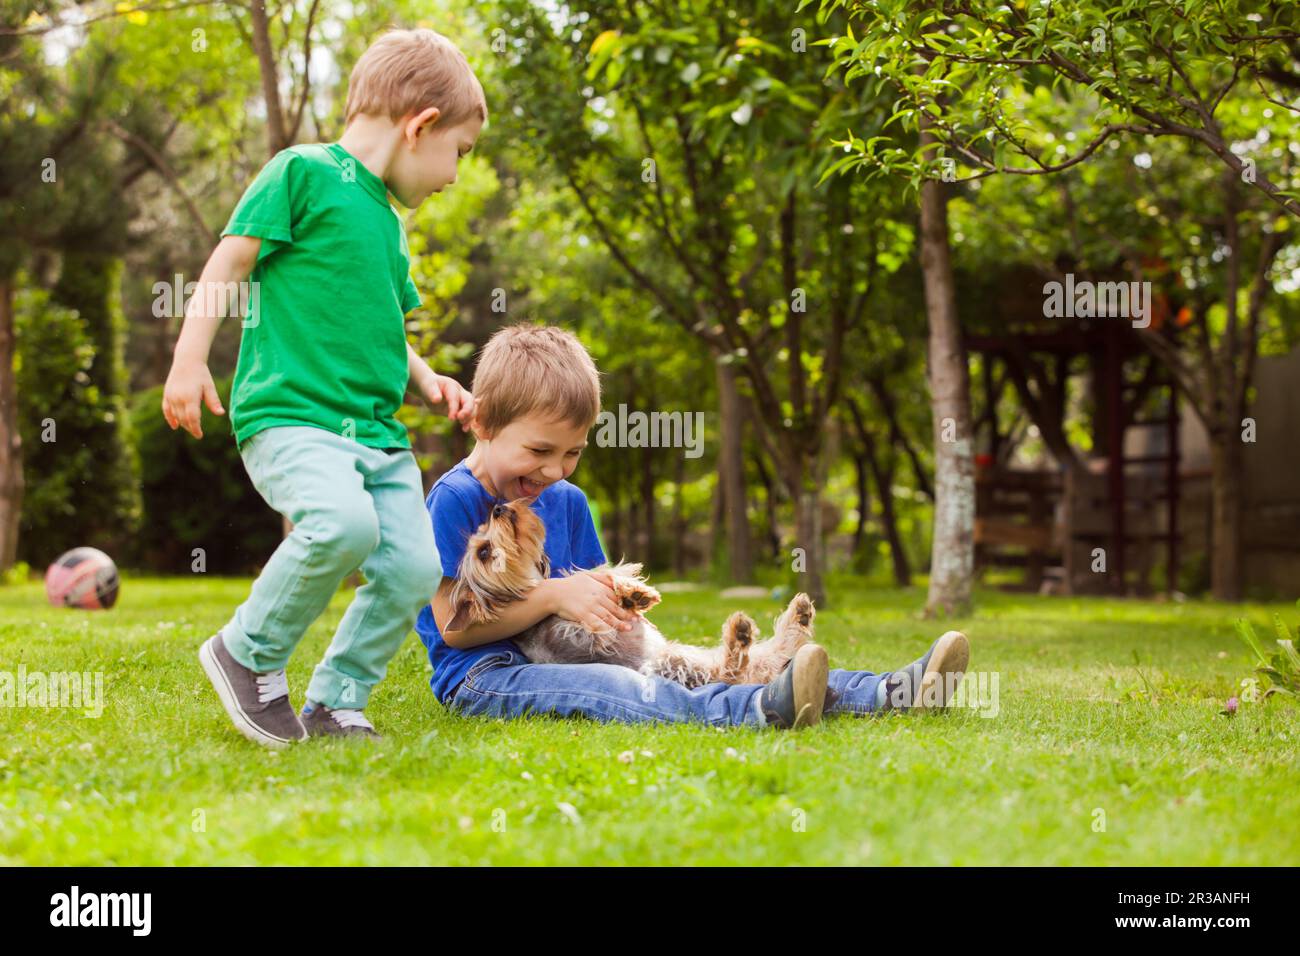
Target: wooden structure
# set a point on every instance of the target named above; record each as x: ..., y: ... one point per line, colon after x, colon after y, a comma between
x: 1015, y: 522
x: 1092, y: 525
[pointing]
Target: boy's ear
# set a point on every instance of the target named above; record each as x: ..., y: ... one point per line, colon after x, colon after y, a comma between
x: 478, y: 429
x: 423, y: 121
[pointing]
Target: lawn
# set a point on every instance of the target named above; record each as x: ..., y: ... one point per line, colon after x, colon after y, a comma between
x: 1081, y: 736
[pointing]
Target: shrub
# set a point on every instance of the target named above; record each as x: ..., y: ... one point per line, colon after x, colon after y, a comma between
x: 196, y: 494
x: 80, y: 486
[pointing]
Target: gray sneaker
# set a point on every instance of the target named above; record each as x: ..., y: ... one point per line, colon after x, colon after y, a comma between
x: 257, y: 703
x: 322, y: 721
x: 797, y: 696
x: 929, y: 683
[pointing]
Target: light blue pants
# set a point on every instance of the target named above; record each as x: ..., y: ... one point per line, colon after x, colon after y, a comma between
x: 351, y: 506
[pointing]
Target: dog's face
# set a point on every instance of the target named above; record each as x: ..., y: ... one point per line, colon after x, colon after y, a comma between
x: 504, y: 559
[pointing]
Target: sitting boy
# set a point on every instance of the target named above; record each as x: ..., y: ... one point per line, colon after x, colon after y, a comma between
x: 537, y: 394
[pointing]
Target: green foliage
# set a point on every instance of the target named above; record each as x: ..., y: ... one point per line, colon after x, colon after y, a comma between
x: 18, y: 574
x: 1281, y: 671
x: 196, y: 494
x: 80, y: 479
x: 1003, y: 83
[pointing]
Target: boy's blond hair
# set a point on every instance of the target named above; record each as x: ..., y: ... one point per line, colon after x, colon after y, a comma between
x: 406, y: 71
x: 527, y: 369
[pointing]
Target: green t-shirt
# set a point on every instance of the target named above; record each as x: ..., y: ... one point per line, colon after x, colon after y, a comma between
x: 324, y: 337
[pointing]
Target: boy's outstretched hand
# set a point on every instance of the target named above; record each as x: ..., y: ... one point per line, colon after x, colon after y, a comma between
x: 189, y: 387
x: 440, y: 389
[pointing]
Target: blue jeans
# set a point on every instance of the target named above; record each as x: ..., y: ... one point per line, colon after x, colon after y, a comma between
x: 509, y: 685
x: 351, y: 506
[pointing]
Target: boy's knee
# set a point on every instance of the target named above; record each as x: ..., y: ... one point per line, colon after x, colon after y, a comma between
x: 413, y: 573
x: 347, y: 535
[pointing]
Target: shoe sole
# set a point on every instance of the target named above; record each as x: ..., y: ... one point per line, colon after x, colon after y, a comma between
x: 951, y: 655
x: 811, y: 668
x: 243, y: 723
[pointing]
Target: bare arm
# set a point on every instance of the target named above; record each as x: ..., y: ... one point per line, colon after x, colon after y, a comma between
x: 514, y: 618
x: 421, y: 375
x: 439, y: 389
x: 586, y: 598
x: 189, y: 384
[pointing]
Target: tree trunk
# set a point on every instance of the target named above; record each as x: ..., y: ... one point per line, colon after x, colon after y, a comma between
x: 276, y: 134
x: 952, y: 561
x: 679, y: 520
x: 731, y: 476
x: 884, y: 476
x: 808, y: 560
x: 647, y: 553
x: 616, y: 542
x: 1227, y: 485
x: 864, y: 503
x: 772, y: 535
x: 11, y: 458
x: 882, y: 472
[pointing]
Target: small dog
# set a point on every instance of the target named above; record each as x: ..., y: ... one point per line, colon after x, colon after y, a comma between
x: 504, y: 560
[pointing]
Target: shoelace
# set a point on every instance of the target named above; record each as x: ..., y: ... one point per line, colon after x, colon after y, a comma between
x: 351, y: 718
x: 271, y: 686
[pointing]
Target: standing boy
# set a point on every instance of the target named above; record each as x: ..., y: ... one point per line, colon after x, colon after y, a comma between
x: 323, y: 367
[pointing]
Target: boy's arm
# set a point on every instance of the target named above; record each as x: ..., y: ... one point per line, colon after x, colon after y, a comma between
x: 189, y: 383
x: 438, y: 389
x: 514, y: 618
x: 587, y: 598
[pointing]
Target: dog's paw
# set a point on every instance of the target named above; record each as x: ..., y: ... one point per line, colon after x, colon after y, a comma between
x: 740, y: 630
x: 801, y: 610
x: 634, y: 595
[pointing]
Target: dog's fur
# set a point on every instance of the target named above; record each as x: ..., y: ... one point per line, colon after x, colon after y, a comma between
x: 504, y: 560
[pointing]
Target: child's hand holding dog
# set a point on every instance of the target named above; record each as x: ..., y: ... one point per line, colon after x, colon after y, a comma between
x: 588, y: 599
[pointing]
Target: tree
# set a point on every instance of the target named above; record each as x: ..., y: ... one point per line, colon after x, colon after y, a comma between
x: 693, y: 149
x: 952, y: 558
x: 1213, y: 250
x: 1142, y: 68
x: 1011, y: 88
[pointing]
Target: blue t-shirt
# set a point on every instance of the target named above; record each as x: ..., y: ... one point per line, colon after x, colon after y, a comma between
x: 458, y: 503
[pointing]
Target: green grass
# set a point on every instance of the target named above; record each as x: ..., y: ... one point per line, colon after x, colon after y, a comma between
x: 1077, y: 730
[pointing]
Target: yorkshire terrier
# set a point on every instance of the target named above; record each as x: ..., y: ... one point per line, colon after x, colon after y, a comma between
x: 504, y: 560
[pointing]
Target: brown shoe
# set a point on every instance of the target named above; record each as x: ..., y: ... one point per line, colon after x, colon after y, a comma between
x: 928, y: 684
x: 322, y: 721
x: 797, y: 696
x: 257, y: 703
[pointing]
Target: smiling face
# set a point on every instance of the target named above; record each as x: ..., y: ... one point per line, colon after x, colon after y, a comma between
x: 427, y: 155
x: 527, y: 456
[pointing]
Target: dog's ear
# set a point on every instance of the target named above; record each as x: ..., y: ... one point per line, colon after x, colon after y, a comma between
x: 462, y: 617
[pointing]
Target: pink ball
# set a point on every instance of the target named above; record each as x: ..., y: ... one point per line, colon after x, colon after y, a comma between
x: 84, y: 578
